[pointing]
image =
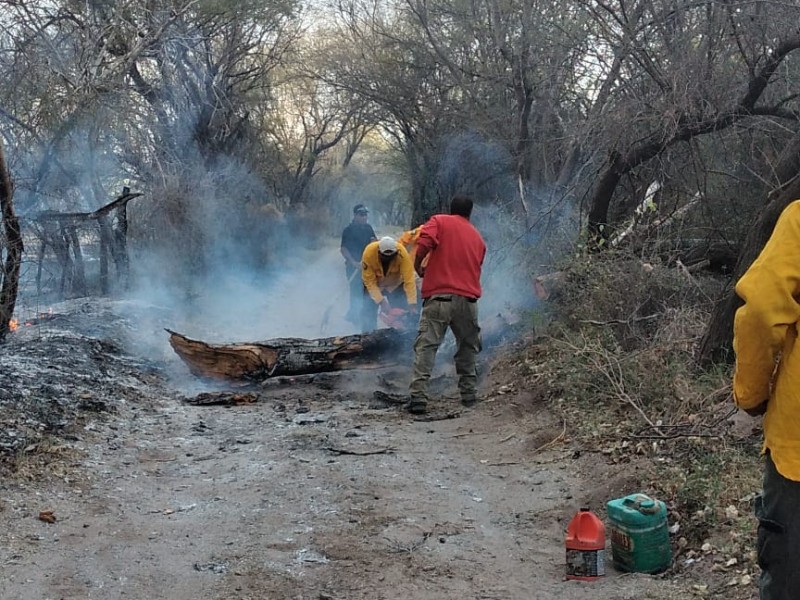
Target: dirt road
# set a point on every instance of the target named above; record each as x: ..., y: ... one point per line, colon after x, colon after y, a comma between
x: 312, y: 492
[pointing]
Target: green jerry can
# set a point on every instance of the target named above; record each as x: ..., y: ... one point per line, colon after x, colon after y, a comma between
x: 639, y: 534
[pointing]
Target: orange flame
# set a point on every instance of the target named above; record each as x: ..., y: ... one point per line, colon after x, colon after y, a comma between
x: 13, y: 324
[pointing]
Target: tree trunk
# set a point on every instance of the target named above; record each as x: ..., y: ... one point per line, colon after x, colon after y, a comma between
x: 523, y: 94
x: 717, y: 342
x: 9, y: 276
x: 425, y: 200
x: 257, y: 361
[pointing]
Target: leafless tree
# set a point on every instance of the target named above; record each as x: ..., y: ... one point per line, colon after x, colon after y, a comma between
x: 11, y: 248
x: 692, y: 70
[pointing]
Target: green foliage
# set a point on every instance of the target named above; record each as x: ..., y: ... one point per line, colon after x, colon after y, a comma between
x: 624, y: 332
x: 702, y: 486
x: 704, y: 480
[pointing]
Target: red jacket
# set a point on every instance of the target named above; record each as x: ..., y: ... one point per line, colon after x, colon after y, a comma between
x: 456, y: 251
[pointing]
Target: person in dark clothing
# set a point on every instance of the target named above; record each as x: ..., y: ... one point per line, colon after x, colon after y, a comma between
x: 355, y: 238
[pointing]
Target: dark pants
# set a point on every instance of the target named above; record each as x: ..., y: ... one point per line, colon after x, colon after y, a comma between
x: 777, y: 509
x: 356, y: 293
x: 369, y: 311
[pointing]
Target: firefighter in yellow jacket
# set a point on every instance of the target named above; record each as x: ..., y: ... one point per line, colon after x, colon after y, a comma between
x: 767, y: 381
x: 388, y: 276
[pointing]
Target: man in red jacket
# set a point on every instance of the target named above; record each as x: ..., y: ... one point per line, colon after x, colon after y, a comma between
x: 451, y: 286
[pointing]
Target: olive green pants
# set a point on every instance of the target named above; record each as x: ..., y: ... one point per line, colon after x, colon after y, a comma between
x: 460, y: 314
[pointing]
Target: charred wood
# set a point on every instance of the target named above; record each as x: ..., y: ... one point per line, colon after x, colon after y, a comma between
x: 718, y: 257
x: 223, y: 399
x: 79, y: 271
x: 62, y: 231
x: 290, y: 356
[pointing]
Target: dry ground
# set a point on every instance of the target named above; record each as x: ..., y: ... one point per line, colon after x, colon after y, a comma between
x: 315, y: 491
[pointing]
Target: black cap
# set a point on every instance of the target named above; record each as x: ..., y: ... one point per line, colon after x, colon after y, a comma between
x: 360, y: 208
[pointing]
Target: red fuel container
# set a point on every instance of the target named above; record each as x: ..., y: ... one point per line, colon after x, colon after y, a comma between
x: 586, y: 546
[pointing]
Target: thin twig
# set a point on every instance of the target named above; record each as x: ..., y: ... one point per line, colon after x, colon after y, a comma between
x: 622, y: 321
x: 359, y: 453
x: 554, y: 441
x: 460, y: 435
x: 398, y: 548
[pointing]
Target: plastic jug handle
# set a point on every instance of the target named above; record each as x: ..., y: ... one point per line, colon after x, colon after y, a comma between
x: 644, y: 504
x: 648, y: 507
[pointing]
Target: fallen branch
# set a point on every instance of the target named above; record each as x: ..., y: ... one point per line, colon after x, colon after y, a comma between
x: 688, y: 274
x: 684, y: 430
x: 359, y: 452
x: 222, y: 399
x: 622, y: 321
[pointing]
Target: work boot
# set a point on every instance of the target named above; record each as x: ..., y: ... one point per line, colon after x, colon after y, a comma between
x: 417, y: 406
x: 469, y: 401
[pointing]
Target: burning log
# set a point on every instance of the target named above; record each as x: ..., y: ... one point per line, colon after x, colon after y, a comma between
x: 289, y: 356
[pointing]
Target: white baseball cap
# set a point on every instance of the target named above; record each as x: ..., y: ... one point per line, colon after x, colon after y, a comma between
x: 387, y: 245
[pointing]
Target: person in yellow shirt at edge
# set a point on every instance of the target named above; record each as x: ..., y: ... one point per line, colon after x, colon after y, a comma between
x: 388, y: 276
x: 767, y: 381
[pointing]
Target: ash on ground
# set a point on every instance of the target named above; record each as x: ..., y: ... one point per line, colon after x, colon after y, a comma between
x: 64, y: 370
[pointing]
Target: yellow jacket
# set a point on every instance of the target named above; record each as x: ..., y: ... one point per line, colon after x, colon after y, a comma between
x: 409, y: 240
x: 765, y: 332
x: 400, y: 272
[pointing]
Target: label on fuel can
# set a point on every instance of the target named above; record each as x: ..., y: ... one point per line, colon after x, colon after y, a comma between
x: 585, y: 563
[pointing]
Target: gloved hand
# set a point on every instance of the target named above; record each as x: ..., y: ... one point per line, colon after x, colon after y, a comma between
x: 413, y: 309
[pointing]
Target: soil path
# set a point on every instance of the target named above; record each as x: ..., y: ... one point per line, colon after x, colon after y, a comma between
x: 265, y: 501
